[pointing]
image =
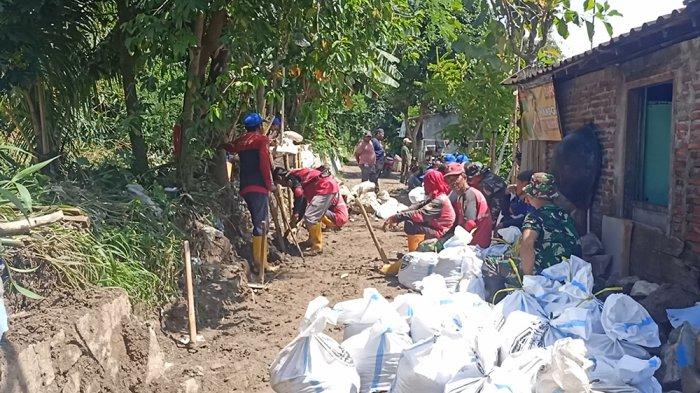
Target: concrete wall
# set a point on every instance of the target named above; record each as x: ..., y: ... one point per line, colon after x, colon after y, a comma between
x: 601, y: 97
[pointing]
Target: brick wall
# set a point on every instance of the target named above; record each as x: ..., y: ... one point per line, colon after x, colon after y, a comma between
x: 600, y: 97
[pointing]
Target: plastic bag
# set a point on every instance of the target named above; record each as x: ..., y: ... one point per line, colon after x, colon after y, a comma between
x: 600, y: 346
x: 417, y: 195
x: 389, y: 208
x: 679, y: 315
x: 473, y: 285
x: 407, y: 303
x: 362, y: 188
x: 415, y: 266
x: 542, y: 288
x: 358, y: 314
x: 566, y: 270
x: 376, y: 352
x: 625, y: 319
x: 511, y: 234
x: 567, y: 371
x: 455, y: 263
x: 461, y: 238
x: 521, y: 332
x: 515, y: 301
x: 573, y: 322
x: 427, y: 366
x: 313, y: 361
x: 580, y: 286
x: 627, y: 374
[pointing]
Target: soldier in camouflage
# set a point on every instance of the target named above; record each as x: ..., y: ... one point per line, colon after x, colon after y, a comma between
x: 549, y: 232
x: 491, y: 185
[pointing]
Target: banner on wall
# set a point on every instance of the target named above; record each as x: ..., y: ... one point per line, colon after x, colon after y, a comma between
x: 540, y: 117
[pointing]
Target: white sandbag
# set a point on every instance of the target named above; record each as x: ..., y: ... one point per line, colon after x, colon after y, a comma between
x: 313, y: 361
x: 515, y: 301
x: 359, y: 314
x: 427, y: 366
x: 542, y: 288
x: 390, y: 208
x: 567, y: 371
x: 510, y: 235
x: 459, y: 313
x: 625, y: 319
x: 521, y: 332
x: 415, y: 266
x: 565, y: 270
x: 457, y: 262
x: 287, y: 147
x: 363, y: 188
x: 383, y: 196
x: 580, y: 286
x: 628, y: 374
x: 294, y: 136
x: 496, y: 250
x: 406, y: 304
x: 417, y: 195
x: 518, y: 373
x: 600, y: 346
x: 376, y: 352
x: 473, y: 285
x: 573, y: 322
x: 461, y: 238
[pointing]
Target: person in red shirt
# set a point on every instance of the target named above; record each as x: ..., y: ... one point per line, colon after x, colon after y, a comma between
x: 253, y: 149
x: 472, y: 211
x: 429, y: 219
x: 316, y: 196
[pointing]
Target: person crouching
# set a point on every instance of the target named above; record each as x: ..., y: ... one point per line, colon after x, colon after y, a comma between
x: 429, y: 219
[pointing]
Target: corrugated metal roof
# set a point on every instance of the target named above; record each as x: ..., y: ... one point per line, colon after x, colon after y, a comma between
x: 530, y: 73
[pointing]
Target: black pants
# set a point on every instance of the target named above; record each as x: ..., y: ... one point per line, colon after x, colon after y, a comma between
x: 259, y: 208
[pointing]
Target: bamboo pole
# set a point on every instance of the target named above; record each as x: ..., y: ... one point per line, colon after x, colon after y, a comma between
x: 382, y: 254
x: 190, y: 294
x: 23, y: 227
x: 287, y: 227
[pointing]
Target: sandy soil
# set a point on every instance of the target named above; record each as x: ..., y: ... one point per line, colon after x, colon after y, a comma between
x: 241, y: 345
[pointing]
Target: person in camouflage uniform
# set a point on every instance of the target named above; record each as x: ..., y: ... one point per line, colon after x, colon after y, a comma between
x: 491, y: 185
x: 549, y: 232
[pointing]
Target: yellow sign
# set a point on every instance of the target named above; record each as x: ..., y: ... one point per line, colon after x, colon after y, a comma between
x: 540, y: 121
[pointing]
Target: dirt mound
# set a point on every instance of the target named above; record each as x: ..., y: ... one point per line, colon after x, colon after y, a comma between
x: 80, y: 342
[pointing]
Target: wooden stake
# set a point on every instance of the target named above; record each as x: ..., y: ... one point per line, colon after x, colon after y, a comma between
x: 371, y: 232
x: 190, y: 294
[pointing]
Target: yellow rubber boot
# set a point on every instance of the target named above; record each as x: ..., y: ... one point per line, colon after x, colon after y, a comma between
x: 316, y: 238
x: 257, y: 252
x: 327, y: 223
x: 391, y: 269
x: 414, y: 241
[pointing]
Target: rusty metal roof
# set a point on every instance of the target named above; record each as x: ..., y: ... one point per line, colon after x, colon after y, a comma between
x: 680, y: 25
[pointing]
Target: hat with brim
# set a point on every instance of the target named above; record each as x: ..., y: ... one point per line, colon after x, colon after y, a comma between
x: 252, y: 120
x: 542, y: 186
x: 454, y: 169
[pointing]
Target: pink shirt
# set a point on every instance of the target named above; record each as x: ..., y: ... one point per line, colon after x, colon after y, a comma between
x: 365, y: 152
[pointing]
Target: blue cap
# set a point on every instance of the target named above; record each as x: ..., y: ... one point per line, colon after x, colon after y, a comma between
x: 276, y: 121
x: 461, y: 158
x: 467, y: 160
x: 252, y: 120
x: 449, y: 158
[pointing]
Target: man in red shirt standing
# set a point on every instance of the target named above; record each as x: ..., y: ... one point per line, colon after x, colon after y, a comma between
x: 471, y: 210
x: 316, y: 198
x: 253, y: 149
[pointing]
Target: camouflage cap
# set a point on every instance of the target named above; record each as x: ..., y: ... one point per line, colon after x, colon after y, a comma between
x: 475, y: 169
x: 542, y: 186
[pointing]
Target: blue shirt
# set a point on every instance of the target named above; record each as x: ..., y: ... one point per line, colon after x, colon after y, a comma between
x: 378, y: 149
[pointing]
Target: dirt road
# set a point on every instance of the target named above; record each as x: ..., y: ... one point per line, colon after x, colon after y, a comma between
x: 242, y: 345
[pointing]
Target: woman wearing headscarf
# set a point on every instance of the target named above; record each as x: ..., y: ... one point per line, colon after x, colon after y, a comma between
x: 429, y: 219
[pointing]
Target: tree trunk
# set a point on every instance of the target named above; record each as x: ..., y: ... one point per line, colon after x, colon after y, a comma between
x: 127, y: 66
x: 184, y: 165
x: 36, y: 121
x: 417, y: 156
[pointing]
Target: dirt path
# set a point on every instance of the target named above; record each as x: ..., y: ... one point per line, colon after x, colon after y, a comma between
x: 239, y: 350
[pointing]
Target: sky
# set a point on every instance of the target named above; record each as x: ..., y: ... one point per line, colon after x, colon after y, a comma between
x: 634, y: 14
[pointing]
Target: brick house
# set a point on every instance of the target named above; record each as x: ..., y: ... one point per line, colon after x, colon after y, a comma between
x: 642, y: 91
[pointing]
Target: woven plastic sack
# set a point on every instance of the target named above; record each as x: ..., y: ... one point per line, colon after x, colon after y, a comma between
x: 625, y: 319
x: 358, y: 314
x: 415, y: 266
x: 313, y: 361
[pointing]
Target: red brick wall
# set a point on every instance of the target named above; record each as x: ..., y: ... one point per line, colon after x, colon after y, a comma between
x: 600, y: 97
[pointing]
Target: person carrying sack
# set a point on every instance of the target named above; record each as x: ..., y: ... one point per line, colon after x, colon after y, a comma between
x: 253, y: 149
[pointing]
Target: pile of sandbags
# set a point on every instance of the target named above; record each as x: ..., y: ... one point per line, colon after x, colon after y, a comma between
x: 551, y: 335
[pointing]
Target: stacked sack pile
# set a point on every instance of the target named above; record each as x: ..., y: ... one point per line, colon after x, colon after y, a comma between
x: 550, y: 335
